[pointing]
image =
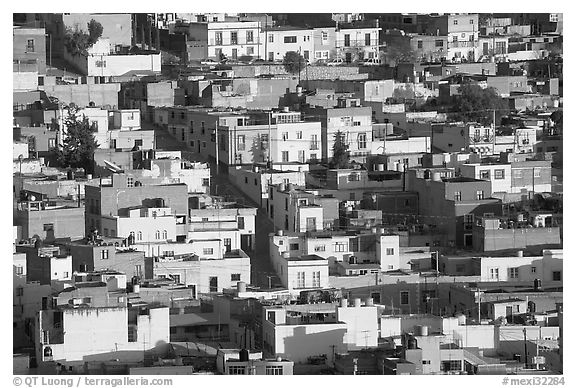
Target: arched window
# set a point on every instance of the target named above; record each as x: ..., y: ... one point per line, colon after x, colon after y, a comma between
x: 157, y: 235
x: 139, y: 235
x: 164, y: 235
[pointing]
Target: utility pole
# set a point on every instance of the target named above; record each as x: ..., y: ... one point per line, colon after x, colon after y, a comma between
x: 525, y: 350
x: 217, y: 148
x: 478, y: 288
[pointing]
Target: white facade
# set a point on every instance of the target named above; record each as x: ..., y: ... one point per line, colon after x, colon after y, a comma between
x: 499, y: 174
x: 234, y: 39
x: 100, y: 334
x: 206, y: 275
x: 357, y: 43
x: 297, y: 271
x: 277, y: 42
x: 298, y: 341
x: 388, y: 252
x: 126, y: 119
x: 522, y: 269
x: 143, y: 224
x: 361, y: 326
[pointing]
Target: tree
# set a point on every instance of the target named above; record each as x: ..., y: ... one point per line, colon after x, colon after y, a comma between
x: 95, y: 30
x: 340, y: 153
x: 477, y: 104
x: 293, y: 62
x: 77, y: 41
x: 556, y: 117
x: 79, y: 142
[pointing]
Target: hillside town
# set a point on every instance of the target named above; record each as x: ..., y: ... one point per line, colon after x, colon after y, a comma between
x: 287, y: 194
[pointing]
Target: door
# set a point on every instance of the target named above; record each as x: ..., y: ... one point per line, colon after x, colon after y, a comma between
x: 348, y: 57
x: 468, y: 240
x: 213, y: 282
x: 509, y: 314
x: 246, y: 242
x: 485, y: 48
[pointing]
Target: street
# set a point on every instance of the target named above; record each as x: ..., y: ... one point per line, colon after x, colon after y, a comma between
x: 262, y: 272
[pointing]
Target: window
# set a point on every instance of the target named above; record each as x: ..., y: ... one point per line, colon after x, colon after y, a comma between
x: 367, y: 39
x: 249, y: 36
x: 480, y: 195
x: 284, y: 156
x: 19, y: 270
x: 485, y: 174
x: 271, y: 38
x: 533, y: 269
x: 457, y: 196
x: 494, y: 273
x: 389, y: 251
x: 48, y: 227
x: 104, y: 254
x: 164, y: 235
x: 311, y: 223
x: 346, y: 121
x: 320, y: 248
x: 518, y: 174
x: 289, y: 39
x: 263, y: 141
x: 455, y: 22
x: 451, y: 365
x: 324, y: 36
x: 20, y: 291
x: 139, y: 235
x: 274, y: 370
x: 301, y: 156
x: 30, y: 46
x: 340, y: 247
x: 347, y: 40
x: 439, y: 43
x: 236, y: 370
x: 468, y: 219
x: 284, y: 136
x: 354, y: 177
x: 299, y: 135
x: 208, y: 251
x: 250, y: 50
x: 420, y: 44
x: 300, y: 280
x: 205, y: 182
x: 361, y: 140
x: 536, y: 173
x: 425, y: 362
x: 234, y: 37
x: 498, y: 174
x: 235, y: 277
x: 100, y: 63
x: 314, y: 142
x: 404, y: 297
x: 556, y: 275
x: 240, y: 222
x: 218, y: 38
x: 130, y: 181
x: 294, y: 246
x: 316, y: 279
x: 513, y: 273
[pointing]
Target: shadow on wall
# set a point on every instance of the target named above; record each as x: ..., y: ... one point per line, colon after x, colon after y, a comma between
x: 301, y: 345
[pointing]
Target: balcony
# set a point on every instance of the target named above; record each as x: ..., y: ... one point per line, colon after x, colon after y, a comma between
x: 467, y: 44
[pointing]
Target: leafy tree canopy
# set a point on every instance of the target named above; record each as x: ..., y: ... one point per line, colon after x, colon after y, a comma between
x: 79, y: 143
x: 476, y: 104
x: 341, y: 155
x: 294, y: 62
x: 77, y: 41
